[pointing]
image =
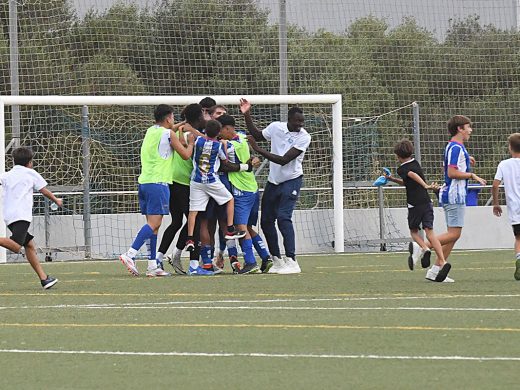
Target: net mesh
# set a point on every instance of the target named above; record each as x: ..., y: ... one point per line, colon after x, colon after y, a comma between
x: 451, y: 56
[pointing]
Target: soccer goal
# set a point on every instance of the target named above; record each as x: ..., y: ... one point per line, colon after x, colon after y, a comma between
x: 87, y: 148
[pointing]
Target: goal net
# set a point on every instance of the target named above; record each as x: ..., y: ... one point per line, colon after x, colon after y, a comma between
x: 88, y: 149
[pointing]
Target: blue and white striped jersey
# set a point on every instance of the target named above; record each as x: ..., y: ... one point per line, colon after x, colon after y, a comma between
x: 207, y: 154
x: 454, y: 190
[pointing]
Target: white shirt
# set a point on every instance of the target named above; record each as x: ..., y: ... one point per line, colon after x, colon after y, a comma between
x: 18, y: 186
x: 508, y: 171
x: 281, y: 141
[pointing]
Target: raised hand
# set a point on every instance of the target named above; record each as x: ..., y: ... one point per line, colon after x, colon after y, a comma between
x: 245, y: 106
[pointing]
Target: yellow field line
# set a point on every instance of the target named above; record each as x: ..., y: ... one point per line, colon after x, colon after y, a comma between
x: 262, y: 326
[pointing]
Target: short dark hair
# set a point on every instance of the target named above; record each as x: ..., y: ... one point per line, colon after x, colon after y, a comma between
x: 22, y: 156
x: 161, y: 112
x: 213, y: 128
x: 207, y: 102
x: 403, y: 148
x: 293, y: 111
x: 455, y: 122
x: 226, y: 120
x: 514, y: 142
x: 192, y: 113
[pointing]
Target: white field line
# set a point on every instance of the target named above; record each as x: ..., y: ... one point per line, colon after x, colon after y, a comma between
x: 141, y: 307
x: 260, y: 301
x: 266, y: 355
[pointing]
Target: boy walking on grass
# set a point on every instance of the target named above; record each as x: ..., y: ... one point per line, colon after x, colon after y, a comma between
x: 420, y: 212
x: 508, y: 172
x: 18, y: 185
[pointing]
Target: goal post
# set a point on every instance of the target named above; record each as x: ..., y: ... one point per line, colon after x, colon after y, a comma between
x: 331, y: 149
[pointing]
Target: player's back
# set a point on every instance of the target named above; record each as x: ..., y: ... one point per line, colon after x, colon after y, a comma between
x: 207, y: 153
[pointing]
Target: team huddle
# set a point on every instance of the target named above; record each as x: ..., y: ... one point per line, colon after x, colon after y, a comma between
x: 201, y: 169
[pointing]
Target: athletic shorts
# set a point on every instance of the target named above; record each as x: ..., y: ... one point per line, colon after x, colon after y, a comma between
x: 516, y: 230
x: 200, y: 193
x: 20, y: 234
x: 154, y: 198
x: 420, y: 216
x: 244, y: 202
x: 253, y: 216
x: 454, y: 214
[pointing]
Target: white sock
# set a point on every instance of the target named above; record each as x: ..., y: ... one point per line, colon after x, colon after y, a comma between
x: 435, y: 268
x: 152, y: 264
x: 131, y: 253
x: 194, y: 264
x: 159, y: 257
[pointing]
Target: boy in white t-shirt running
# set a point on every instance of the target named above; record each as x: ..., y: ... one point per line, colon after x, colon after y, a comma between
x: 508, y: 172
x: 18, y: 185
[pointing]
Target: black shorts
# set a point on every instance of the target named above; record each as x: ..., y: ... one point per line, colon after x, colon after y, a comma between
x: 516, y: 230
x: 20, y: 232
x: 420, y: 215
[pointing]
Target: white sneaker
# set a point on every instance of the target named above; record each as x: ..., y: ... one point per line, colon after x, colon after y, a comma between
x: 291, y: 267
x: 416, y: 253
x: 129, y: 263
x: 155, y: 272
x: 278, y: 264
x: 431, y: 275
x: 432, y: 272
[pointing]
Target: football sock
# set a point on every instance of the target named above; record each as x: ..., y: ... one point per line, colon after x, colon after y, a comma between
x: 232, y: 248
x: 260, y: 247
x: 205, y: 254
x: 144, y: 234
x: 247, y: 250
x: 194, y: 264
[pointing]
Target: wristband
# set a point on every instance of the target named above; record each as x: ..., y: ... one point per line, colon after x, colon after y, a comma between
x: 244, y: 167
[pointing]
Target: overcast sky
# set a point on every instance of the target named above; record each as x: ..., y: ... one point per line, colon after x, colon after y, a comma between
x: 336, y: 15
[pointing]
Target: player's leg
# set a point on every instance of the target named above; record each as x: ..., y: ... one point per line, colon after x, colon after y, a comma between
x: 258, y: 242
x: 222, y: 196
x: 244, y: 202
x: 270, y: 204
x: 418, y: 248
x: 154, y: 203
x: 46, y: 281
x: 516, y: 231
x: 179, y: 204
x: 289, y: 196
x: 199, y: 197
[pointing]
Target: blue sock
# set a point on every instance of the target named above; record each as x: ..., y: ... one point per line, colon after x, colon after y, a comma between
x: 144, y: 234
x: 212, y: 252
x: 247, y: 250
x: 260, y: 247
x: 232, y: 248
x: 221, y: 241
x: 205, y: 254
x: 153, y: 247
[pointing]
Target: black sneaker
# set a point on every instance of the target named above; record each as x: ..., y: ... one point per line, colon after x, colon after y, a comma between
x: 249, y: 269
x: 443, y: 272
x: 266, y: 265
x: 49, y: 282
x: 425, y: 260
x: 190, y: 246
x: 230, y: 235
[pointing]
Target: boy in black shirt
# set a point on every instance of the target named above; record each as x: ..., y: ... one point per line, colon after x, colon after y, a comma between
x: 420, y: 211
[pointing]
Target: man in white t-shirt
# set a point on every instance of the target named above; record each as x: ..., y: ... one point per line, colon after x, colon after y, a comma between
x: 18, y: 185
x: 508, y: 172
x: 289, y: 141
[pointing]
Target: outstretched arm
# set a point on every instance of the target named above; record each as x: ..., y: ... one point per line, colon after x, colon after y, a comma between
x: 49, y: 195
x: 245, y: 108
x: 281, y: 160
